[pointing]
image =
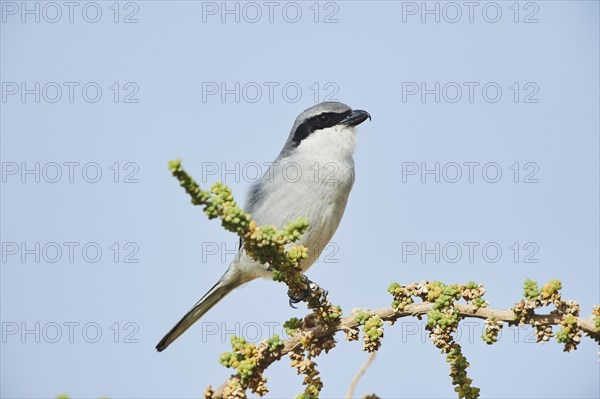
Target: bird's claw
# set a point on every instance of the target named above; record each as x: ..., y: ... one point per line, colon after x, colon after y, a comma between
x: 310, y: 289
x: 294, y: 299
x: 322, y: 294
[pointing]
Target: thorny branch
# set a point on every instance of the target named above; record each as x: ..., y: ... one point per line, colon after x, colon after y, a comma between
x: 390, y: 314
x: 309, y: 337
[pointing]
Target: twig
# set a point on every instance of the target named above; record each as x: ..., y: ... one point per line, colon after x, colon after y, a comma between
x: 359, y: 374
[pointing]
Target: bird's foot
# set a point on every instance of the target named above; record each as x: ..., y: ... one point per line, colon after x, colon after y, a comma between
x: 296, y: 298
x: 322, y: 298
x: 311, y: 288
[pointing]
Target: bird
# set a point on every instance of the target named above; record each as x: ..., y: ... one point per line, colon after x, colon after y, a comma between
x: 311, y: 178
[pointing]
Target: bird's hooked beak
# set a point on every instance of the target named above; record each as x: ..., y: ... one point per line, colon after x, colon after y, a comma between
x: 357, y: 117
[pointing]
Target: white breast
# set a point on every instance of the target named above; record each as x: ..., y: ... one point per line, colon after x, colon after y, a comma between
x: 313, y: 182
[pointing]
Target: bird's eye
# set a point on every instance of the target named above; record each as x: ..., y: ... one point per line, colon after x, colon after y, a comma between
x: 323, y: 118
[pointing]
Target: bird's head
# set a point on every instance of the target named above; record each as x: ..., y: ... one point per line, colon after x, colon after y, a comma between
x: 324, y: 125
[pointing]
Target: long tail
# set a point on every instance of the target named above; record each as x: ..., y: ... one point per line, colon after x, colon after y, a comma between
x: 210, y: 299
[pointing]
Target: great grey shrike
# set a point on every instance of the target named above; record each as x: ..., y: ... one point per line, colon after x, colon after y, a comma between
x: 311, y: 178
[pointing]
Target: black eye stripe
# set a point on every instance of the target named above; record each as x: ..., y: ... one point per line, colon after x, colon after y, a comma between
x: 318, y: 122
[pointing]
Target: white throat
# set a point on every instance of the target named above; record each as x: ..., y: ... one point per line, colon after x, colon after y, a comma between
x: 335, y: 143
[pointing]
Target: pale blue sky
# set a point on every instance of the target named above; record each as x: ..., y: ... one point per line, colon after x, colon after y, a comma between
x: 374, y: 58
